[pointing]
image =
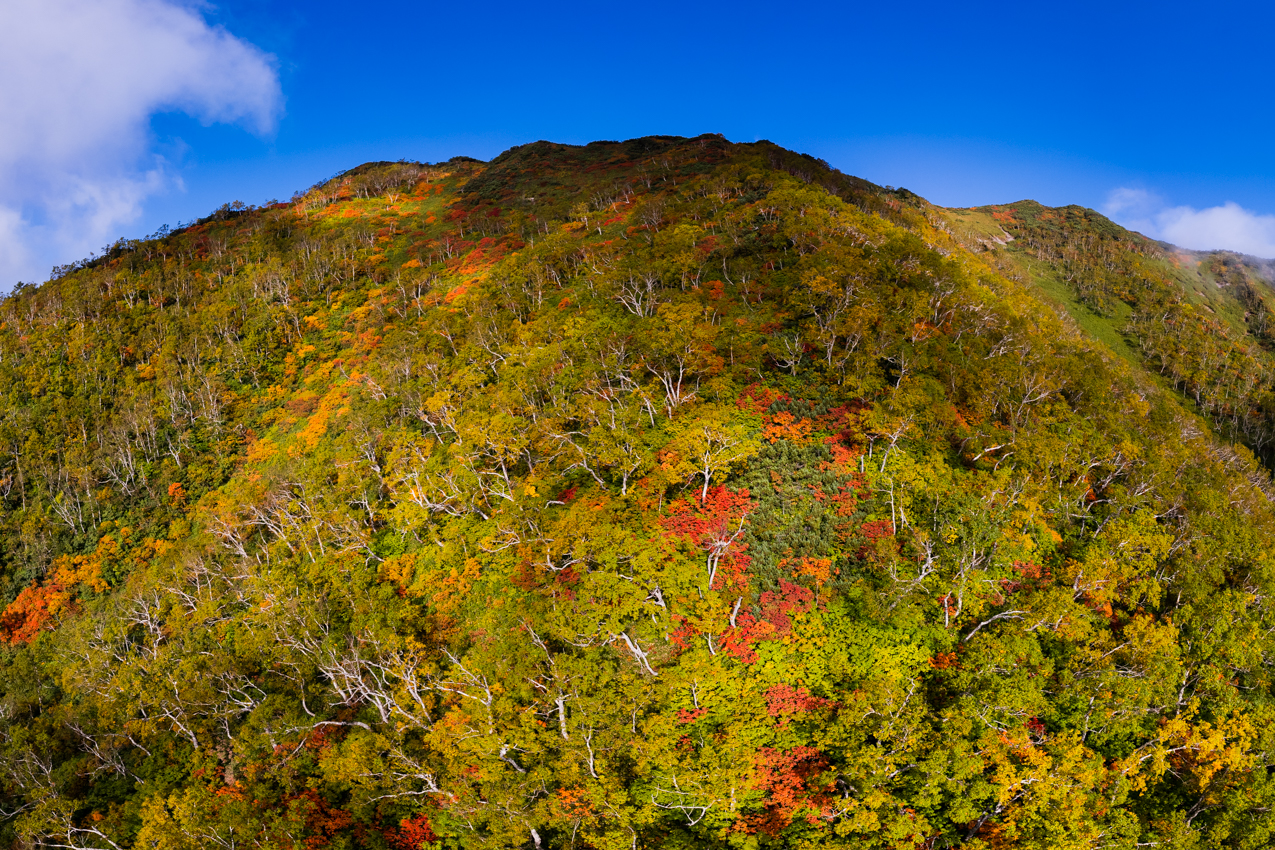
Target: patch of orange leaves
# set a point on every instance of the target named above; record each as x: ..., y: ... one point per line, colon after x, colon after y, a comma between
x: 784, y: 426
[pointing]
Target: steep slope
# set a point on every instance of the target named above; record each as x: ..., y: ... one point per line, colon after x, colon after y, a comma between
x: 664, y: 493
x: 1202, y: 320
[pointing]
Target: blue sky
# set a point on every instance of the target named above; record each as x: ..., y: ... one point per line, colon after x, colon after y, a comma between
x: 1157, y: 114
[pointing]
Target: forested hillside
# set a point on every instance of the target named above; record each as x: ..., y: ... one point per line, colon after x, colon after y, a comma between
x: 667, y: 493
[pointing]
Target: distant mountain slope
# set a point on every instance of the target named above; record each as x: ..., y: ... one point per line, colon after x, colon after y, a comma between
x: 1202, y: 320
x: 660, y: 493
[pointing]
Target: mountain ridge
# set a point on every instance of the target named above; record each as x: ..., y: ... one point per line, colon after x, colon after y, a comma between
x: 667, y: 493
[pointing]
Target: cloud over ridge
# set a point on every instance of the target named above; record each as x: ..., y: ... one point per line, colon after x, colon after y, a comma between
x: 79, y: 81
x: 1227, y: 227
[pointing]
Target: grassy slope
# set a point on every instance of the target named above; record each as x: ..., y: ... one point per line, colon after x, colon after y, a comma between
x: 1205, y: 278
x: 1228, y: 296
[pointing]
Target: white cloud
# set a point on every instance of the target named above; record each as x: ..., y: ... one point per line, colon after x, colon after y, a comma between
x: 79, y: 81
x: 1229, y: 226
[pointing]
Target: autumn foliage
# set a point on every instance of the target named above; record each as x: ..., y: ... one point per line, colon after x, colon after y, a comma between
x: 666, y: 493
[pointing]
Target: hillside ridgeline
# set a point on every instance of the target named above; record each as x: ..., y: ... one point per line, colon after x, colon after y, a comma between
x: 665, y: 493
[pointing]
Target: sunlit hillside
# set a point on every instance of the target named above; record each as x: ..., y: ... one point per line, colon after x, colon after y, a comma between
x: 666, y: 493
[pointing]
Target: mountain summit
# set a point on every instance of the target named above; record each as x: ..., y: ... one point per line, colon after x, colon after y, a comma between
x: 662, y: 493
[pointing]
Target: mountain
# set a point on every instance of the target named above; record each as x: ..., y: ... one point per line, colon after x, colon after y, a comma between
x: 660, y: 493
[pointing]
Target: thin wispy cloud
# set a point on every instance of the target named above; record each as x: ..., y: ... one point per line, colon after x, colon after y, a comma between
x: 79, y: 82
x: 1226, y: 227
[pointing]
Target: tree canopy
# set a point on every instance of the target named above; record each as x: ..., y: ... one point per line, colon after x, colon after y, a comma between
x: 661, y: 493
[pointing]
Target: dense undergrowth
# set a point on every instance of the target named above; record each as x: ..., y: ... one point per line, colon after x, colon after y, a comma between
x: 666, y: 493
